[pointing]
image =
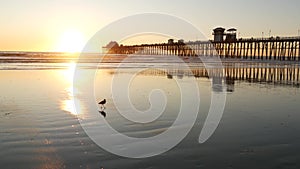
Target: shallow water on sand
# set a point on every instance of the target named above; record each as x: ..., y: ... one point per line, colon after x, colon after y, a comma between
x: 39, y: 128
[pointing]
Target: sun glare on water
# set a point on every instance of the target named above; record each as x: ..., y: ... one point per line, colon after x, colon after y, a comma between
x: 69, y: 103
x: 71, y: 41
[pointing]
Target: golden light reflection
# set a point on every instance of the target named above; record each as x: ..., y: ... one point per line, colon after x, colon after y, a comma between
x: 69, y: 104
x: 48, y: 159
x: 69, y: 73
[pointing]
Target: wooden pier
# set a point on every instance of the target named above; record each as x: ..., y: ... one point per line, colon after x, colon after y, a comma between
x: 273, y: 48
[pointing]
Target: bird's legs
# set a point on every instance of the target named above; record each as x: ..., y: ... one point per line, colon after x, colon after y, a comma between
x: 102, y: 107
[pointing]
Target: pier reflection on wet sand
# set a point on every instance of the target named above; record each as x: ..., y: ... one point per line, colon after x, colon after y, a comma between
x: 273, y: 74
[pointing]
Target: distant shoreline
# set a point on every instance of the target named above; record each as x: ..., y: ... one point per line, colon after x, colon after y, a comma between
x: 59, y: 57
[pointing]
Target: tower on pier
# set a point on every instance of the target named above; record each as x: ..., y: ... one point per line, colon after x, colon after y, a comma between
x: 231, y: 35
x: 219, y: 34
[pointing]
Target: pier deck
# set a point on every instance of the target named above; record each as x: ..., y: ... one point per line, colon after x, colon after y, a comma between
x: 273, y: 48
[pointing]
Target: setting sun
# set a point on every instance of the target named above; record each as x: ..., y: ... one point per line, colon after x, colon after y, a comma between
x: 71, y: 41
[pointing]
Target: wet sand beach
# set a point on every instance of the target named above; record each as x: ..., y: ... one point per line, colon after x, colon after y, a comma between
x: 39, y: 127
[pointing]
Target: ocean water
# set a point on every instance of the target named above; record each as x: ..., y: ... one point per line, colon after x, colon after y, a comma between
x: 40, y: 127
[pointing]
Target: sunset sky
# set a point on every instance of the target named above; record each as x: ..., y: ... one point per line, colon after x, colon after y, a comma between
x: 49, y: 25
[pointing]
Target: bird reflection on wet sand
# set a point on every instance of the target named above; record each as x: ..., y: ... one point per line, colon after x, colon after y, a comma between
x: 103, y: 113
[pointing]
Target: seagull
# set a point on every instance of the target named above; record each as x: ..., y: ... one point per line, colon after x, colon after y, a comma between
x: 102, y: 103
x: 102, y: 113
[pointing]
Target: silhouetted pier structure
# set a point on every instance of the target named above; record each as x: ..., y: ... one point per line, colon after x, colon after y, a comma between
x: 272, y: 48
